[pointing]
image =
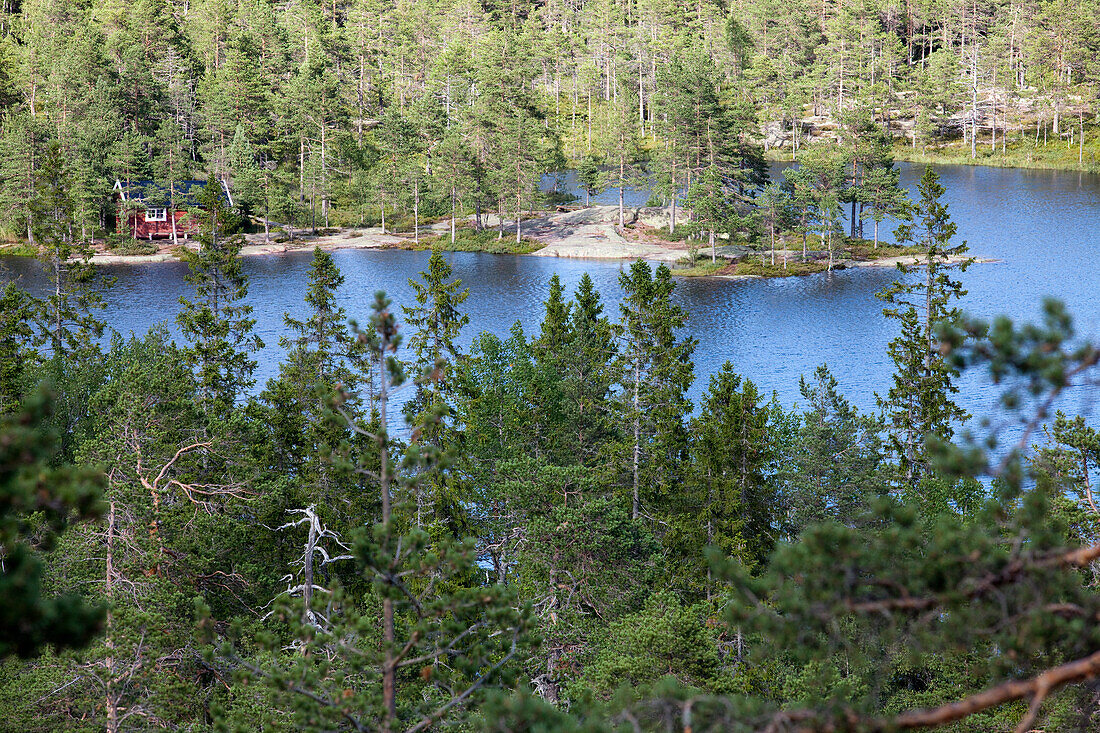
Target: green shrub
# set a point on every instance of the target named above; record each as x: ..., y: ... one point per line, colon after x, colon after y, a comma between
x: 18, y: 249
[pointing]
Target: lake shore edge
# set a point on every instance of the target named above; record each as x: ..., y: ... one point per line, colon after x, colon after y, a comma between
x: 582, y: 233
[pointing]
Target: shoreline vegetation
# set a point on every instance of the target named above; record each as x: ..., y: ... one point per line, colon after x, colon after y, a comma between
x: 578, y: 233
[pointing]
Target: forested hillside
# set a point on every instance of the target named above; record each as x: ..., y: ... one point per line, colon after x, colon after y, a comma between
x: 328, y: 113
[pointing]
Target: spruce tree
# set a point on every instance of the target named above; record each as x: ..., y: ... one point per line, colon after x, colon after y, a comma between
x: 727, y: 501
x: 69, y: 326
x: 437, y: 320
x: 919, y: 404
x: 217, y: 327
x: 322, y: 357
x: 836, y: 460
x: 553, y: 339
x: 590, y: 371
x: 321, y: 345
x: 545, y: 385
x: 656, y: 371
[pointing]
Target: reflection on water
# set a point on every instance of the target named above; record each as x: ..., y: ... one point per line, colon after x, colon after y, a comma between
x: 1039, y: 223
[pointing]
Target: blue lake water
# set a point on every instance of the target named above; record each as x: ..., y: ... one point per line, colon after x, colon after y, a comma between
x: 1040, y: 224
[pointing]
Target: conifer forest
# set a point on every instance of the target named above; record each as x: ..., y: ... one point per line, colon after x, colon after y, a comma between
x: 421, y: 523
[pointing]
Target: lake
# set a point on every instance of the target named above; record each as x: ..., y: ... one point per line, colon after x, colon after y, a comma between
x: 1040, y: 224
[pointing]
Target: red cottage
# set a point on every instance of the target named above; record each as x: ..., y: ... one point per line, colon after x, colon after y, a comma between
x: 148, y: 210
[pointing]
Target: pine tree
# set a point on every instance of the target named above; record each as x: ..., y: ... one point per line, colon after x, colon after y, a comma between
x: 1071, y: 458
x: 798, y: 185
x: 884, y: 196
x: 591, y: 176
x: 442, y: 642
x: 825, y: 188
x: 397, y: 143
x: 622, y: 148
x: 17, y: 313
x: 711, y: 205
x: 773, y: 210
x: 34, y: 479
x: 170, y: 166
x: 456, y: 171
x: 153, y: 544
x: 19, y: 151
x: 919, y: 404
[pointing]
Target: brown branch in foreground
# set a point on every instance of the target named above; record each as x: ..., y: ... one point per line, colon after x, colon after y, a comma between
x: 1078, y: 558
x: 1035, y: 689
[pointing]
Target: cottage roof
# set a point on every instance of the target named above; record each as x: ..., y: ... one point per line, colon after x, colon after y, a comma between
x: 153, y: 193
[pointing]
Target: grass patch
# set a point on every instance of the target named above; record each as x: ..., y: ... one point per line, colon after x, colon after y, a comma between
x: 469, y: 240
x: 1055, y: 155
x: 864, y: 250
x: 129, y: 247
x: 1019, y: 152
x: 752, y: 267
x: 19, y: 249
x: 755, y: 268
x: 703, y: 269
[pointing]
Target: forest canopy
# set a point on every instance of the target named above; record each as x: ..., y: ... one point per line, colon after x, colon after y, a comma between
x: 349, y: 113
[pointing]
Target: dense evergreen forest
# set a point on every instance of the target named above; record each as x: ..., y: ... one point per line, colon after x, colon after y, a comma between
x: 349, y: 112
x: 538, y: 533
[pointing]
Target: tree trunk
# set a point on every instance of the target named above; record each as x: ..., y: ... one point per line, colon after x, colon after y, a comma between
x: 672, y: 207
x: 622, y: 213
x: 389, y: 664
x: 974, y: 104
x: 109, y: 640
x: 453, y: 206
x: 1081, y: 141
x: 636, y: 508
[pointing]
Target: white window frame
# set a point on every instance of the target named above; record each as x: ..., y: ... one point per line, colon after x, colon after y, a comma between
x: 156, y: 214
